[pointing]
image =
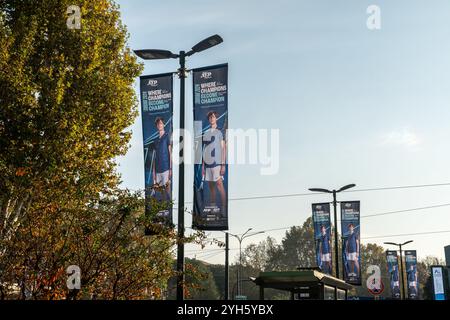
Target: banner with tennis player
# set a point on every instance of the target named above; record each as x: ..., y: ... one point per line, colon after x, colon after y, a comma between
x: 157, y: 114
x: 351, y: 243
x: 411, y: 274
x: 394, y: 274
x: 322, y: 236
x: 210, y: 129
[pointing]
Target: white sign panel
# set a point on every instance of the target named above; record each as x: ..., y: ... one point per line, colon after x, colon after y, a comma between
x: 438, y: 282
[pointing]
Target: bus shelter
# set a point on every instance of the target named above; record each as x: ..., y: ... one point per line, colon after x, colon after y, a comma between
x: 309, y: 284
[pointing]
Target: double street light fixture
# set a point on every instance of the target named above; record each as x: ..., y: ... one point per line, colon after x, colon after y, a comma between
x: 400, y: 245
x: 241, y: 238
x: 157, y: 54
x: 334, y: 192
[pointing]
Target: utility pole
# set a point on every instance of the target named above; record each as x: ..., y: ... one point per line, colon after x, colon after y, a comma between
x: 227, y: 268
x: 336, y: 241
x: 239, y: 271
x: 180, y: 244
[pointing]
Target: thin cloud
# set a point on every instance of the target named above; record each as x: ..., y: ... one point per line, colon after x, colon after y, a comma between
x: 404, y: 137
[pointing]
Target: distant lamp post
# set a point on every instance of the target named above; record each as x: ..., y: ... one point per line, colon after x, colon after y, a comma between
x: 334, y: 192
x: 240, y: 239
x: 157, y: 54
x: 400, y: 245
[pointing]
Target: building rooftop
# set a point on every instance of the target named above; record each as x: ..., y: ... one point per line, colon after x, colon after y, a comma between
x: 292, y: 280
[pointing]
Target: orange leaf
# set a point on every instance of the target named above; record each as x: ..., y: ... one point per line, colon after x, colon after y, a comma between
x: 21, y: 171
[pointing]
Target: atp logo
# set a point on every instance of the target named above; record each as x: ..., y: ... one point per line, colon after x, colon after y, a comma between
x: 152, y: 82
x: 206, y: 75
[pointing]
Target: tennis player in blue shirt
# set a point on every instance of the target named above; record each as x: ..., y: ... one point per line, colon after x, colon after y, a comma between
x: 395, y: 282
x: 412, y: 281
x: 162, y: 170
x: 352, y: 251
x: 325, y: 250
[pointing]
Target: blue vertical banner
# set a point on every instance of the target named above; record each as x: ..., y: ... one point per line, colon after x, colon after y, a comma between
x: 394, y: 274
x: 322, y: 236
x: 412, y: 279
x: 157, y: 128
x: 210, y: 211
x: 351, y: 241
x: 437, y: 275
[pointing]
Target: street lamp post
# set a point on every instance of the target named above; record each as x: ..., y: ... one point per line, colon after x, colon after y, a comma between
x: 156, y: 54
x: 400, y: 245
x: 242, y: 280
x: 240, y: 239
x: 334, y: 192
x: 227, y: 270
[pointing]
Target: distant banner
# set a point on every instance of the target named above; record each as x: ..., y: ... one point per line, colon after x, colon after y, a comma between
x: 322, y: 236
x: 437, y: 274
x: 157, y: 113
x: 411, y: 274
x: 211, y: 169
x: 394, y: 275
x: 351, y: 243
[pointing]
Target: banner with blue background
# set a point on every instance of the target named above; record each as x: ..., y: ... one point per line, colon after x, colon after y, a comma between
x: 351, y: 241
x: 210, y: 85
x: 322, y: 236
x: 157, y: 128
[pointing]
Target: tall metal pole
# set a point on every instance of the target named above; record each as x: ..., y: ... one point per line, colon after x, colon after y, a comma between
x: 240, y: 268
x: 239, y: 271
x: 154, y: 54
x: 336, y: 242
x: 180, y: 246
x: 403, y: 280
x: 227, y: 270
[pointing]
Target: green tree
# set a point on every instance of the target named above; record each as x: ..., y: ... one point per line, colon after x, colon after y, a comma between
x: 218, y: 273
x: 200, y: 283
x: 105, y: 239
x: 66, y: 100
x: 257, y: 255
x: 296, y: 249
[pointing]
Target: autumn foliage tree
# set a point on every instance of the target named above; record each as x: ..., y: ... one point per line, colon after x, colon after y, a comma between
x: 105, y: 239
x: 66, y: 101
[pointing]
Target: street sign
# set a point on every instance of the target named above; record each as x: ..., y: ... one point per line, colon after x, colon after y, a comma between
x: 376, y: 291
x: 240, y: 298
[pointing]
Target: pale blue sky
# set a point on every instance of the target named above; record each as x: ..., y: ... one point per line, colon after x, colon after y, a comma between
x: 352, y: 105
